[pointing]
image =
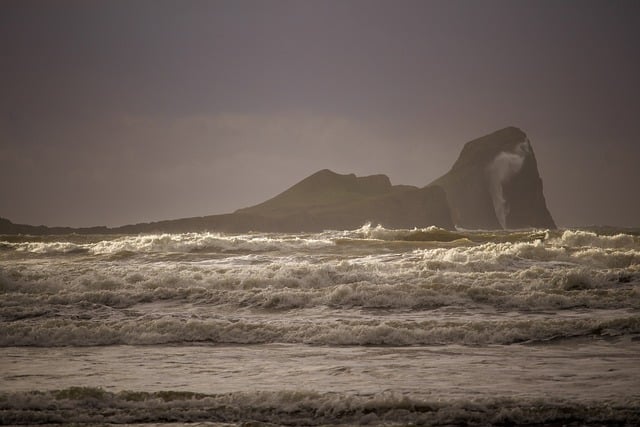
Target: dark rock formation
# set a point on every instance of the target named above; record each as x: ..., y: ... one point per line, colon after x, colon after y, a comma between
x: 327, y: 200
x: 8, y: 227
x: 495, y: 184
x: 324, y: 200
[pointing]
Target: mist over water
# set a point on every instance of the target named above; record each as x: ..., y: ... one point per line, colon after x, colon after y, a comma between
x: 503, y: 168
x: 358, y: 326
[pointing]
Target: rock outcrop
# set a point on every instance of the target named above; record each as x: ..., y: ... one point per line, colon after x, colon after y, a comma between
x: 324, y: 200
x: 8, y: 227
x: 495, y: 184
x: 327, y: 200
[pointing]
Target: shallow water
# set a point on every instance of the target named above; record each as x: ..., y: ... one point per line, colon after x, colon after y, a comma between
x: 609, y: 370
x: 347, y: 327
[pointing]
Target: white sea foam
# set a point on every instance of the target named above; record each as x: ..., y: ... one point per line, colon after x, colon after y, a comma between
x: 560, y: 271
x: 378, y: 232
x: 424, y: 290
x: 151, y: 329
x: 300, y: 407
x: 260, y: 242
x: 186, y: 242
x: 522, y: 275
x: 579, y: 238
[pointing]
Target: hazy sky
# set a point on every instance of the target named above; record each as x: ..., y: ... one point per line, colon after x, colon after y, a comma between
x: 114, y: 112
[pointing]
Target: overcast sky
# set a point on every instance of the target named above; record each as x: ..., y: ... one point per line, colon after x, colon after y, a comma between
x: 115, y: 112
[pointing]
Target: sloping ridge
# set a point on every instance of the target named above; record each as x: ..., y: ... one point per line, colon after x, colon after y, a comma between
x: 327, y: 200
x: 495, y: 184
x: 324, y: 200
x: 321, y: 189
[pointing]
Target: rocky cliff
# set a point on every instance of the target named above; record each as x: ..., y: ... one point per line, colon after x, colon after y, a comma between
x: 495, y: 184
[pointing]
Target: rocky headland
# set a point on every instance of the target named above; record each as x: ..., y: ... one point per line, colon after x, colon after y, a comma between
x: 494, y: 184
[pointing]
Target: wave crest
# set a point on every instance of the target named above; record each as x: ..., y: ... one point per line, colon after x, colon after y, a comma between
x: 165, y: 330
x: 301, y: 407
x: 579, y: 238
x: 186, y: 242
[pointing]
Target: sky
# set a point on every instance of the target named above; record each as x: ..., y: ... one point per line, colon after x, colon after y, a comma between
x: 117, y: 112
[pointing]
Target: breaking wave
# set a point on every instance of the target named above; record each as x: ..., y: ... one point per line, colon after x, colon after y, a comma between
x: 195, y: 242
x: 186, y: 242
x: 371, y: 268
x: 164, y: 330
x: 565, y: 270
x: 258, y: 242
x: 463, y: 291
x: 579, y: 238
x: 299, y: 407
x: 566, y: 289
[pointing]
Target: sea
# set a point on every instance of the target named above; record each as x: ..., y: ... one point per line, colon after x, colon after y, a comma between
x: 353, y: 327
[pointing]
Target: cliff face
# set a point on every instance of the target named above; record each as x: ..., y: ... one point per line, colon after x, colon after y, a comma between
x: 495, y: 184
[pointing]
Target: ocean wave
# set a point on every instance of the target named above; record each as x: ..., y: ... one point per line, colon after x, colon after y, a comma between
x: 186, y: 242
x: 47, y: 247
x: 220, y: 242
x: 429, y: 234
x: 521, y: 277
x: 570, y: 292
x: 168, y: 330
x: 579, y: 238
x: 440, y: 235
x: 300, y: 407
x: 512, y: 256
x: 300, y: 269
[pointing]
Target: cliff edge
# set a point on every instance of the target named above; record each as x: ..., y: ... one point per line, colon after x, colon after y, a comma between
x: 495, y: 184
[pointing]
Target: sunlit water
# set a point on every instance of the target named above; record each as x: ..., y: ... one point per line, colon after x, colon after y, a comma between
x: 370, y: 326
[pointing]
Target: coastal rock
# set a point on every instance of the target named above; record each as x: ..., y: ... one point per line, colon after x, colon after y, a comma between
x: 327, y: 200
x: 495, y: 184
x: 322, y: 201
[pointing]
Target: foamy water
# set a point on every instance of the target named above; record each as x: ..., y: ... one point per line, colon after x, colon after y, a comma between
x: 368, y: 326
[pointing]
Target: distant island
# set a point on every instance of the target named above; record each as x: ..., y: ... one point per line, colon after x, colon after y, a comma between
x: 494, y: 184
